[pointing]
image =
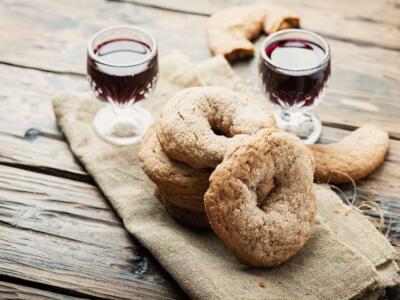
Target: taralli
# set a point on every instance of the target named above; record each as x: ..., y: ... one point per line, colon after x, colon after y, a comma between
x: 198, y: 125
x: 352, y: 158
x: 193, y: 203
x: 268, y: 231
x: 182, y: 215
x: 168, y: 174
x: 230, y: 31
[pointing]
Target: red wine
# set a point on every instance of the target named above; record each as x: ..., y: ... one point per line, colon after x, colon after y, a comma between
x: 295, y: 74
x: 115, y: 77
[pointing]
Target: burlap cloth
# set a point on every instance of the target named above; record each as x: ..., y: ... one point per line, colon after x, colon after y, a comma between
x: 346, y: 256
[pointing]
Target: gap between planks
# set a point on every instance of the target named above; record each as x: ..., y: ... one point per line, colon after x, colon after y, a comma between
x: 6, y: 63
x: 45, y: 290
x: 42, y: 236
x: 51, y: 171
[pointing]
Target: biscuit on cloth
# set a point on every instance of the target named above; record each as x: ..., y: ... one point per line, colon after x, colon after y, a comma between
x: 231, y: 30
x: 198, y: 125
x: 169, y: 174
x: 263, y: 232
x: 183, y: 215
x: 193, y: 203
x: 352, y: 158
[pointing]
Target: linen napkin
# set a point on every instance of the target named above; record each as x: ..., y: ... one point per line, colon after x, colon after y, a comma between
x: 346, y: 257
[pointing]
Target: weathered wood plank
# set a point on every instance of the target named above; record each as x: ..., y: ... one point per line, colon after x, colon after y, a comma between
x: 364, y: 79
x: 379, y: 11
x: 13, y: 291
x: 41, y: 152
x: 376, y: 24
x: 94, y: 15
x: 63, y: 233
x: 58, y: 42
x: 28, y: 131
x: 26, y: 94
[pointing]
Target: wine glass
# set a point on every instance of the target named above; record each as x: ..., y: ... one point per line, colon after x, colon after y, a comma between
x: 294, y: 68
x: 122, y: 69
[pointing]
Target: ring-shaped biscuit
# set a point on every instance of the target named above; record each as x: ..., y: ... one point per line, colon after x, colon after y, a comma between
x: 182, y: 215
x: 199, y: 125
x: 231, y: 30
x: 193, y: 203
x: 168, y: 174
x: 263, y: 233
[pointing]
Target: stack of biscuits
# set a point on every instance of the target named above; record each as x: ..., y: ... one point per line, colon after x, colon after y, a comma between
x: 199, y: 125
x: 218, y: 161
x: 183, y: 147
x: 180, y: 188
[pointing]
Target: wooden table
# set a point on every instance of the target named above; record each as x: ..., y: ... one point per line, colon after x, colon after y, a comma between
x: 59, y: 238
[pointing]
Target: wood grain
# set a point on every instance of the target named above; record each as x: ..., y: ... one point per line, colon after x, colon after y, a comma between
x: 364, y: 80
x: 379, y: 11
x: 63, y: 233
x: 12, y: 291
x: 376, y: 24
x: 72, y: 23
x: 28, y: 131
x: 59, y: 232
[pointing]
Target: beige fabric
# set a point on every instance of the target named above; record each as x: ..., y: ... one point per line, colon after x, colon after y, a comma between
x: 352, y: 228
x: 338, y: 262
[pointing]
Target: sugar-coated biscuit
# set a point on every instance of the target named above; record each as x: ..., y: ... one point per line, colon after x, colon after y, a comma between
x: 168, y: 174
x: 354, y: 157
x: 182, y: 215
x: 199, y: 125
x: 263, y: 232
x: 193, y: 203
x: 231, y: 30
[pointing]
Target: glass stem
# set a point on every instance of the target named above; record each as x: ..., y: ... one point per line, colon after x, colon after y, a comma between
x: 125, y: 112
x: 294, y: 118
x: 304, y: 124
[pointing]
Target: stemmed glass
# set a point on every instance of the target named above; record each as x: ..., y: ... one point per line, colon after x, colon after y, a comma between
x: 122, y: 69
x: 294, y: 68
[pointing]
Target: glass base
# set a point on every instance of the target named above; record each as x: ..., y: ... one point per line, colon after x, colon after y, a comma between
x: 124, y: 128
x: 304, y: 124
